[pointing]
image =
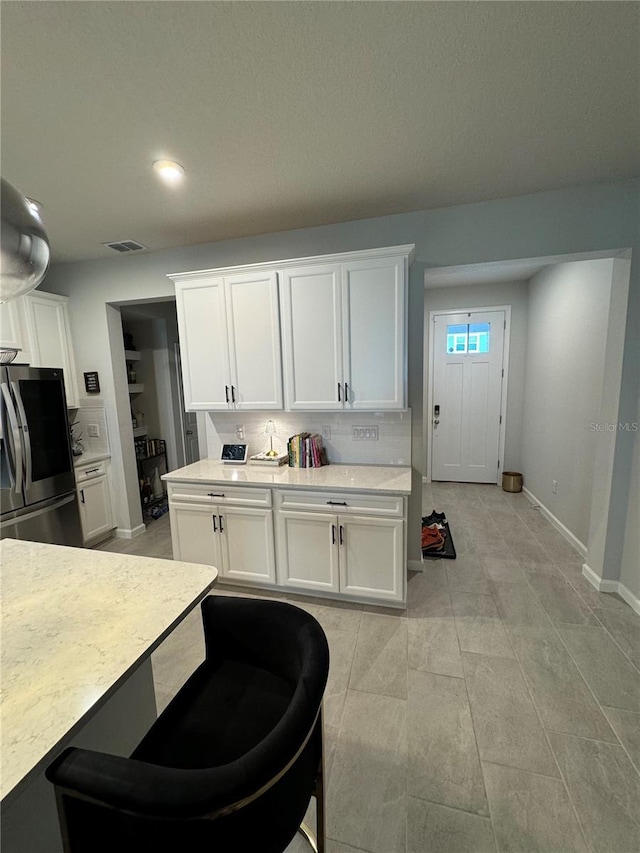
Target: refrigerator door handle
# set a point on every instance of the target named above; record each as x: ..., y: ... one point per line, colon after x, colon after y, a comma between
x: 14, y: 444
x: 26, y: 442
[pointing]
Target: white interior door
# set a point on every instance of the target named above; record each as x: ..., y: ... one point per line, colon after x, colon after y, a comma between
x: 467, y: 396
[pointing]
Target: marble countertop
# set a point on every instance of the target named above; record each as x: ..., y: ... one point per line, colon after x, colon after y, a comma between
x: 89, y: 459
x: 75, y: 623
x: 385, y: 479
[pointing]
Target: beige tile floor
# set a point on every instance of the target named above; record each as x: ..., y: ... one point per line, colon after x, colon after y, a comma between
x: 500, y: 711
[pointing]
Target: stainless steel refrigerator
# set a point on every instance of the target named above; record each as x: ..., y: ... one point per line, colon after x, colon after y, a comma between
x: 38, y: 496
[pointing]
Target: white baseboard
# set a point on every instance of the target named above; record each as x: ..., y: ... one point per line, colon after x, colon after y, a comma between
x: 130, y: 533
x: 607, y: 585
x: 573, y: 540
x: 415, y: 566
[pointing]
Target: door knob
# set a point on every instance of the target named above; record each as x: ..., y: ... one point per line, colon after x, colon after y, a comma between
x: 436, y: 421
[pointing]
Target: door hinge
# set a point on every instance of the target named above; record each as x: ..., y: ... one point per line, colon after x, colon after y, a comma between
x: 504, y: 325
x: 500, y: 418
x: 503, y: 372
x: 498, y: 464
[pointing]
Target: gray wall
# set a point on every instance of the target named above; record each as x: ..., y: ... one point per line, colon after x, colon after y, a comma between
x: 480, y: 296
x: 578, y: 219
x: 566, y: 338
x: 630, y: 569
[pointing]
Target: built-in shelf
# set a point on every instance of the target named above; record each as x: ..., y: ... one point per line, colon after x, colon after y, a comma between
x: 139, y: 432
x: 138, y: 388
x: 131, y: 355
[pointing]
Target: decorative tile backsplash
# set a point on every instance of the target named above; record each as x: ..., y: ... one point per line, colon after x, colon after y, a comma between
x: 393, y: 446
x: 94, y: 416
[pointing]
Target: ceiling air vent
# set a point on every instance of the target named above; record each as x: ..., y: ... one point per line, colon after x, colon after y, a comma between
x: 125, y: 246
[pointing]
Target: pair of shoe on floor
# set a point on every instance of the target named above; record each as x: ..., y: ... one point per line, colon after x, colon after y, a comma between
x: 433, y: 539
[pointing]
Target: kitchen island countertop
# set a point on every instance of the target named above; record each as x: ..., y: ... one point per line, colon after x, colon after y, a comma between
x: 383, y: 479
x: 75, y: 624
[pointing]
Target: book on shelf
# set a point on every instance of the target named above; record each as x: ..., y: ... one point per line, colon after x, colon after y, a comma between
x: 306, y: 451
x: 269, y: 461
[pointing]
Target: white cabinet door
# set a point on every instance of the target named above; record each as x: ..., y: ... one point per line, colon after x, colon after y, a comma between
x: 50, y: 338
x: 96, y: 513
x: 374, y: 333
x: 312, y: 337
x: 254, y: 340
x: 247, y: 544
x: 194, y: 534
x: 308, y: 550
x: 12, y: 332
x: 371, y: 557
x: 204, y: 348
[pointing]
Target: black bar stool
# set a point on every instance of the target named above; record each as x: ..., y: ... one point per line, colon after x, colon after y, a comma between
x: 232, y: 762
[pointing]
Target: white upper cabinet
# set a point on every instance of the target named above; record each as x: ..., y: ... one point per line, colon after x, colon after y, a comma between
x: 230, y: 342
x: 374, y: 352
x: 344, y: 340
x: 50, y: 338
x: 204, y: 351
x: 312, y: 337
x: 343, y: 322
x: 254, y: 340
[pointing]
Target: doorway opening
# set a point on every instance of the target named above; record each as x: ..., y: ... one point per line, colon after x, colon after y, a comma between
x: 467, y: 393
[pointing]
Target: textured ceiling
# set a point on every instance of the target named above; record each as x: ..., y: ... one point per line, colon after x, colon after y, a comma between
x: 287, y: 115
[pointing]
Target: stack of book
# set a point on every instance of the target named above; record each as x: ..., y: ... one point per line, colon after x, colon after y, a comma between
x: 306, y: 451
x: 272, y: 461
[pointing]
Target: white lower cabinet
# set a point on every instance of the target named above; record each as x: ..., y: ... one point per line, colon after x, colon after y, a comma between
x: 356, y: 555
x: 94, y: 501
x: 349, y: 545
x: 237, y: 540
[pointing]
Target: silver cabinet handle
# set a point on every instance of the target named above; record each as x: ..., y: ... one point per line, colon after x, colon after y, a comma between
x: 233, y: 394
x: 341, y: 535
x: 82, y: 500
x: 333, y: 534
x: 337, y: 503
x: 226, y: 392
x: 215, y: 529
x: 215, y: 494
x: 346, y: 393
x: 221, y: 527
x: 339, y: 392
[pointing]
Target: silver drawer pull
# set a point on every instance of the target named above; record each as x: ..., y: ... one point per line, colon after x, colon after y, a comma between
x: 91, y: 470
x: 337, y: 503
x: 215, y: 495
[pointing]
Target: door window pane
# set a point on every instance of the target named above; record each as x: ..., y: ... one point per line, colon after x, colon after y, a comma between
x: 469, y: 338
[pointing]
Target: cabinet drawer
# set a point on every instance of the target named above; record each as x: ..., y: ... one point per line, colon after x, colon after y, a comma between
x: 88, y: 472
x: 342, y: 502
x: 220, y: 494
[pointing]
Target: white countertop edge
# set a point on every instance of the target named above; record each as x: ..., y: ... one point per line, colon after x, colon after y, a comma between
x: 211, y: 471
x: 89, y: 459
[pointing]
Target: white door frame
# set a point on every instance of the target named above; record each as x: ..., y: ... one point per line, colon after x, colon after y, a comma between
x: 505, y: 379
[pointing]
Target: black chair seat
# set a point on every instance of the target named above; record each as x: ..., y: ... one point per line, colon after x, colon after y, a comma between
x: 234, y: 759
x: 223, y: 711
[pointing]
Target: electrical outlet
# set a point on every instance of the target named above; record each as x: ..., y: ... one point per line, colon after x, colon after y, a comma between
x: 326, y: 432
x: 364, y: 433
x: 93, y: 430
x: 240, y: 432
x: 554, y: 487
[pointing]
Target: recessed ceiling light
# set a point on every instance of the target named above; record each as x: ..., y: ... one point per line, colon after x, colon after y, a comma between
x: 170, y: 171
